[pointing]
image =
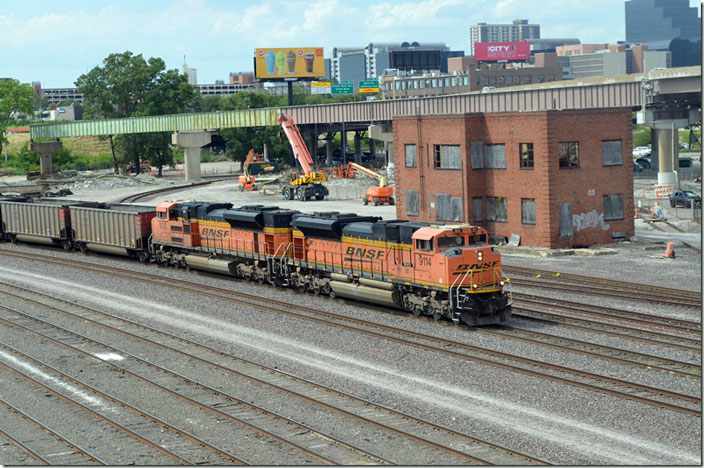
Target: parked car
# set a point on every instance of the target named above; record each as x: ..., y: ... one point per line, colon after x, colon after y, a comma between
x: 685, y: 198
x: 640, y: 151
x: 637, y: 167
x: 645, y: 162
x: 684, y: 146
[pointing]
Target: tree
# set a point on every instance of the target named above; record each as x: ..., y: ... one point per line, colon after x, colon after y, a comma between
x: 155, y: 146
x: 128, y: 85
x: 15, y: 98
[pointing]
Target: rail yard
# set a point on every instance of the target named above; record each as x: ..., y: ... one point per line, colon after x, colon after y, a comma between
x: 107, y: 360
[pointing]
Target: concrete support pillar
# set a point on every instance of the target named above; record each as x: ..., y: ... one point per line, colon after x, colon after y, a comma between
x: 328, y: 148
x: 668, y: 162
x: 654, y: 153
x: 343, y: 144
x: 372, y: 147
x: 357, y: 147
x: 313, y: 147
x: 390, y: 174
x: 46, y: 150
x: 191, y: 142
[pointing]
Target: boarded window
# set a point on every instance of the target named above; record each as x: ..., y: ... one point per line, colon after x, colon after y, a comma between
x: 566, y: 219
x: 613, y: 207
x: 497, y: 209
x: 412, y: 202
x: 477, y: 151
x: 411, y: 156
x: 448, y: 208
x: 477, y: 209
x: 525, y: 151
x: 569, y: 154
x: 442, y: 206
x: 448, y: 157
x: 611, y: 152
x: 528, y: 211
x: 496, y: 156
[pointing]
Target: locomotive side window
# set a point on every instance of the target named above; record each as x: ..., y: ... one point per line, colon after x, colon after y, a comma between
x: 477, y: 239
x: 424, y: 245
x: 446, y: 242
x: 161, y: 214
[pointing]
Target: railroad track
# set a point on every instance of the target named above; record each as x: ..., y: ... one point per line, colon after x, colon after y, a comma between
x: 601, y: 287
x: 623, y: 389
x: 437, y: 440
x: 139, y: 196
x: 59, y: 449
x: 673, y: 326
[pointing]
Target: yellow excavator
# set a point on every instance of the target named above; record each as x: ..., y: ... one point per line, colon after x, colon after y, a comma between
x: 309, y: 184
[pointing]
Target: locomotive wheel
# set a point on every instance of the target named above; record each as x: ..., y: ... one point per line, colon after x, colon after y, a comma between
x: 437, y: 316
x: 417, y: 310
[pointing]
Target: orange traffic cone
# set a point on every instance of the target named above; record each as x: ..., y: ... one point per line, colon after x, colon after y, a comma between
x: 670, y: 251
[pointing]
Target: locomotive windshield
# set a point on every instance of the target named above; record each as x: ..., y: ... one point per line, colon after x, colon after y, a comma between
x: 447, y: 242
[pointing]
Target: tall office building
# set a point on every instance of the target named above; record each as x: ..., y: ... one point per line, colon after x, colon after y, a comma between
x: 191, y: 73
x: 666, y: 25
x: 519, y: 30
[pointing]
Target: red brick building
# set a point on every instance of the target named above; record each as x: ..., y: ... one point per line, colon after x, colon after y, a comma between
x: 556, y: 178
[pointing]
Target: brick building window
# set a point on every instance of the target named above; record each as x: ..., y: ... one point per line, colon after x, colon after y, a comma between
x: 477, y: 209
x: 566, y: 228
x: 464, y: 81
x: 448, y: 208
x: 447, y: 157
x: 528, y: 210
x: 611, y: 153
x: 613, y: 207
x: 411, y: 202
x: 411, y: 156
x: 495, y: 156
x: 497, y: 209
x: 525, y: 151
x: 569, y: 154
x: 526, y: 79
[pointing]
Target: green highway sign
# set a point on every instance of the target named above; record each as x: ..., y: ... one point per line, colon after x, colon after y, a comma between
x: 345, y: 87
x: 369, y: 86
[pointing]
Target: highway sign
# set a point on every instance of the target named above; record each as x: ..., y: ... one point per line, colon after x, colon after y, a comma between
x: 320, y: 87
x: 369, y: 86
x: 346, y: 87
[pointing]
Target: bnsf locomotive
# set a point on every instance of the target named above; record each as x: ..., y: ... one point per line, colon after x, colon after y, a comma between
x: 445, y: 271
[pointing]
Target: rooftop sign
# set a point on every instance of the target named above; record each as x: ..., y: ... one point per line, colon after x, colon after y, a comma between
x: 498, y: 51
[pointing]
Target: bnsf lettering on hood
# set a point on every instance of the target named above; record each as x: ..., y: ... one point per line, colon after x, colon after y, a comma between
x: 359, y: 252
x: 212, y: 232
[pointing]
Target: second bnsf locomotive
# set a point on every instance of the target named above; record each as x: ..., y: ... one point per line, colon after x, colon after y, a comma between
x: 444, y: 271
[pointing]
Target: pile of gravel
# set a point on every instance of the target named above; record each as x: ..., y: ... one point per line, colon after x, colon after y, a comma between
x: 113, y: 181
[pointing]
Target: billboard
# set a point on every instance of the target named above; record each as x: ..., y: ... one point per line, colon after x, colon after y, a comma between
x: 497, y: 51
x: 282, y: 63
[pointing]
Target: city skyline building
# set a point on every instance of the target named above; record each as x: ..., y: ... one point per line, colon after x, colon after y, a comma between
x: 519, y: 30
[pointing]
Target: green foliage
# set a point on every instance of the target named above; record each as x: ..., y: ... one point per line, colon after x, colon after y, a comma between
x: 15, y: 97
x: 179, y: 156
x: 20, y: 163
x: 641, y: 136
x: 128, y: 85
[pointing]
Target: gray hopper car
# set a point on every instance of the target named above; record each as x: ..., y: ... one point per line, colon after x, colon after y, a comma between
x: 43, y: 222
x: 114, y: 229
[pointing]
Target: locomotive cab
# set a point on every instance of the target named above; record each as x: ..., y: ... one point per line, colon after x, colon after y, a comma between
x: 459, y: 259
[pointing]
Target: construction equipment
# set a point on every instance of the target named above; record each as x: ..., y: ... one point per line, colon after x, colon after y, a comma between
x: 246, y: 179
x: 310, y: 184
x: 376, y: 195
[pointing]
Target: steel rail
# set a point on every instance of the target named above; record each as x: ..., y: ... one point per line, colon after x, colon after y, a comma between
x: 83, y: 407
x: 646, y: 320
x: 189, y: 400
x: 51, y: 432
x: 601, y: 291
x: 276, y: 371
x: 285, y: 308
x: 637, y: 287
x: 644, y: 336
x: 120, y: 427
x: 23, y: 447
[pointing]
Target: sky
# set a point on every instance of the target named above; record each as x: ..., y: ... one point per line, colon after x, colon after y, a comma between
x: 55, y: 41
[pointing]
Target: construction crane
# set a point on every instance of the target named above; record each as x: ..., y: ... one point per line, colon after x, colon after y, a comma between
x: 310, y: 183
x: 376, y: 195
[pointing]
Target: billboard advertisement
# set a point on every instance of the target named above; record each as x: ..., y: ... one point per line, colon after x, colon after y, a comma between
x: 497, y: 51
x: 282, y: 63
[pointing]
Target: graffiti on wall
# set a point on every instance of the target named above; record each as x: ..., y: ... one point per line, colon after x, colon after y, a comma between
x: 590, y: 219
